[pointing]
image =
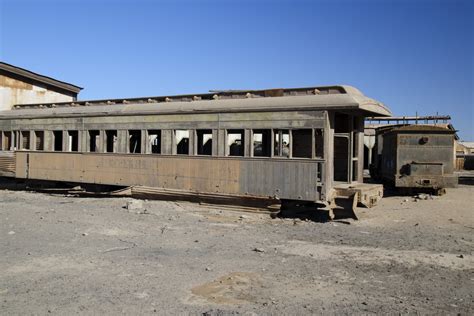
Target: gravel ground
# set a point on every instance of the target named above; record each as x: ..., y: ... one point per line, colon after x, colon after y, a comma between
x: 69, y: 255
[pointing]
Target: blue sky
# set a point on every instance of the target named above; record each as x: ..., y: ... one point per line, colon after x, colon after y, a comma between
x: 415, y: 56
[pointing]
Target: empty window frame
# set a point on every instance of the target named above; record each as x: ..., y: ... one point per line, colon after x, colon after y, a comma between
x: 262, y: 139
x: 281, y: 143
x: 111, y: 141
x: 319, y: 143
x: 154, y: 141
x: 94, y: 141
x: 302, y: 143
x: 39, y: 140
x: 7, y: 140
x: 57, y: 140
x: 135, y: 141
x: 25, y: 140
x: 182, y: 141
x: 73, y: 140
x: 235, y: 142
x: 1, y: 141
x: 204, y: 142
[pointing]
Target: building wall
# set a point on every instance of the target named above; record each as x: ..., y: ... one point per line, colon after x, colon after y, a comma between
x: 14, y: 91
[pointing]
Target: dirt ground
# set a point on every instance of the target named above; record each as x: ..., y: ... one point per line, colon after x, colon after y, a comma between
x: 69, y: 255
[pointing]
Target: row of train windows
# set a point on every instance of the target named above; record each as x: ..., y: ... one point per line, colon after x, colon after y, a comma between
x: 298, y: 143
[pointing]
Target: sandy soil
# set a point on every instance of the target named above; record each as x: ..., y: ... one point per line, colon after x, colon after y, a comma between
x: 68, y: 255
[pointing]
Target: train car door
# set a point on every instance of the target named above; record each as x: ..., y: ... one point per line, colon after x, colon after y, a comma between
x: 342, y: 148
x: 342, y: 164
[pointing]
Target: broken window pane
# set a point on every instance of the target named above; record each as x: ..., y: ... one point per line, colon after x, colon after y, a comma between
x: 182, y: 142
x: 302, y: 143
x: 319, y: 143
x: 281, y: 143
x: 235, y: 142
x: 262, y: 143
x: 111, y: 141
x: 39, y: 140
x: 58, y: 140
x: 135, y: 140
x: 94, y: 137
x: 204, y: 142
x: 25, y: 140
x: 154, y: 141
x: 73, y: 141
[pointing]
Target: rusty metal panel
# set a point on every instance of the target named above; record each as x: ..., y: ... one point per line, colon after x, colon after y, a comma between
x: 292, y: 179
x: 288, y: 179
x: 7, y: 163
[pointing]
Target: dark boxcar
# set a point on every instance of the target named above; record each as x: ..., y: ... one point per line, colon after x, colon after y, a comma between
x: 415, y: 156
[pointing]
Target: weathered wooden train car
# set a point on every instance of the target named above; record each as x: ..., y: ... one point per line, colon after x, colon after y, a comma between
x: 415, y: 157
x: 291, y: 144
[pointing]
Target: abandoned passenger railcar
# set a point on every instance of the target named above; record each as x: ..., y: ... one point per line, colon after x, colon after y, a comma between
x: 292, y: 144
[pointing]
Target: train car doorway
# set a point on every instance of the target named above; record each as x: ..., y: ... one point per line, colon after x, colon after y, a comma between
x: 341, y: 157
x: 342, y: 147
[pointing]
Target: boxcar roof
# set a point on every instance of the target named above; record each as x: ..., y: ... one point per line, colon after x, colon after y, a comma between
x: 316, y: 98
x: 413, y: 128
x: 422, y: 129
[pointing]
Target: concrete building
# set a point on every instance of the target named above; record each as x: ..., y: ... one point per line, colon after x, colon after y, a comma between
x: 21, y: 86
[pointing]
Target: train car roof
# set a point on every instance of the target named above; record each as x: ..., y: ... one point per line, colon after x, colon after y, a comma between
x: 313, y: 98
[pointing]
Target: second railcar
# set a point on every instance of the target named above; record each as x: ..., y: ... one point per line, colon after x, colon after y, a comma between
x: 415, y: 157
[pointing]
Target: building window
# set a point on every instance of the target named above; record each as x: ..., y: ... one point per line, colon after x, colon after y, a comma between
x: 58, y: 140
x: 25, y: 140
x: 94, y: 138
x: 39, y: 140
x: 154, y: 141
x: 182, y: 142
x: 73, y: 140
x: 204, y: 142
x: 302, y: 143
x: 281, y: 143
x: 235, y: 142
x: 319, y: 143
x: 135, y: 141
x: 111, y: 141
x: 262, y: 142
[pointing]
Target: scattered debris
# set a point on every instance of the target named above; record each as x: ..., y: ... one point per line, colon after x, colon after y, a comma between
x: 85, y: 234
x: 11, y: 232
x: 460, y: 256
x: 258, y: 249
x: 136, y: 206
x: 116, y: 249
x: 423, y: 196
x: 208, y: 269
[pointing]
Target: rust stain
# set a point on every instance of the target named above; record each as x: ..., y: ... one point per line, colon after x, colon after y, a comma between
x: 15, y: 84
